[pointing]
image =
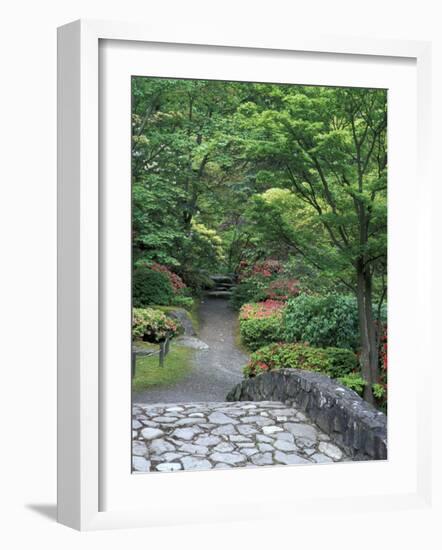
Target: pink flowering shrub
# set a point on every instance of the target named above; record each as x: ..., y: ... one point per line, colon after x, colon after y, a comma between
x: 175, y: 280
x: 260, y: 323
x: 266, y: 269
x: 261, y: 310
x: 283, y: 289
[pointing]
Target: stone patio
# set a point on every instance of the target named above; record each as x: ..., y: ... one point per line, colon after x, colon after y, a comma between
x: 202, y: 436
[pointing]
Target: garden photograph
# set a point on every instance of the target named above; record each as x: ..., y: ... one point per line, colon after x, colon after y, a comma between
x: 259, y: 274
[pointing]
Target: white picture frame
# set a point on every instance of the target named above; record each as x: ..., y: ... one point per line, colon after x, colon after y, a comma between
x: 82, y: 398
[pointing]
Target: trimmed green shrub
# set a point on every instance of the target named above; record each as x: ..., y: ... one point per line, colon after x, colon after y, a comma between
x: 333, y: 362
x: 152, y: 325
x: 322, y: 321
x: 256, y: 333
x: 260, y: 323
x: 151, y: 287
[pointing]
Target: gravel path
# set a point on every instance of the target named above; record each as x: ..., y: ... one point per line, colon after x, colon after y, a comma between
x: 216, y: 370
x: 202, y: 436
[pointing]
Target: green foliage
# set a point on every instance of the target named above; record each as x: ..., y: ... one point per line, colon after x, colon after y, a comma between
x: 252, y: 290
x: 379, y: 391
x: 183, y: 301
x: 330, y: 320
x: 152, y: 325
x: 200, y: 254
x: 150, y: 287
x: 333, y: 362
x: 354, y: 381
x: 256, y: 333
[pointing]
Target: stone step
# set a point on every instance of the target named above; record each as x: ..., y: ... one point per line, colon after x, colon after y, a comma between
x: 222, y: 279
x: 219, y: 293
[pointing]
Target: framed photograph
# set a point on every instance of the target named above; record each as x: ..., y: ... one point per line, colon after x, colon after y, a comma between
x: 233, y: 273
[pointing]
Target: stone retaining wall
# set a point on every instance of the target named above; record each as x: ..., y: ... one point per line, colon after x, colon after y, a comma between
x: 353, y: 424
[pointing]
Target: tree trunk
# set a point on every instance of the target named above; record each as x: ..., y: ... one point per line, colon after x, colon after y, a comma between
x: 367, y: 329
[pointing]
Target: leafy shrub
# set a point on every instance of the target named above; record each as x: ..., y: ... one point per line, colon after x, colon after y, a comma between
x: 248, y: 291
x: 266, y: 268
x: 260, y: 323
x: 182, y: 301
x: 283, y: 289
x: 333, y: 362
x: 323, y: 321
x: 354, y: 381
x: 150, y: 287
x: 260, y: 310
x: 175, y: 280
x: 256, y: 333
x: 152, y: 325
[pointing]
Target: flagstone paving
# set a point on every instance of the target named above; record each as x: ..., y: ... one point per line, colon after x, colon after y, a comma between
x: 201, y: 436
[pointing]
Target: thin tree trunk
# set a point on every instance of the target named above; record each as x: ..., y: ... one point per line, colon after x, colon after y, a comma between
x: 365, y: 333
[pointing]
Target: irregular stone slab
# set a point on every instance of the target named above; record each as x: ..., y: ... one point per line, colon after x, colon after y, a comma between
x: 194, y: 463
x: 283, y: 445
x: 227, y: 429
x: 186, y: 433
x: 305, y: 431
x: 160, y: 446
x: 283, y: 412
x: 262, y: 459
x: 220, y: 418
x: 263, y: 447
x: 321, y: 459
x: 165, y: 419
x: 139, y: 448
x: 221, y: 466
x: 149, y: 423
x: 291, y: 458
x: 168, y: 467
x: 264, y: 439
x: 177, y: 408
x: 246, y: 429
x: 224, y: 447
x: 190, y: 421
x: 194, y: 449
x: 330, y: 450
x: 140, y: 464
x: 239, y: 438
x: 170, y: 457
x: 228, y: 458
x: 151, y: 433
x: 286, y: 436
x: 207, y: 440
x: 258, y: 420
x: 136, y: 424
x: 249, y: 452
x: 271, y: 429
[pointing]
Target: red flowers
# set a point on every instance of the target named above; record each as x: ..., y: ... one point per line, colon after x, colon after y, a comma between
x: 266, y: 268
x: 261, y: 310
x: 283, y: 289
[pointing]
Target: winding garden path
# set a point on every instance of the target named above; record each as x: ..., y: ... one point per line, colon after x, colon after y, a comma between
x: 216, y: 369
